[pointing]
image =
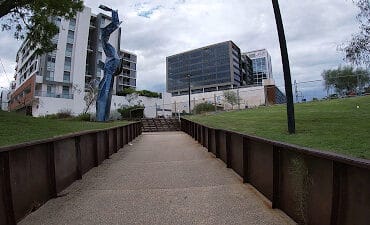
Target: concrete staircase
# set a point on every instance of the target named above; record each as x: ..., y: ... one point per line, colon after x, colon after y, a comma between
x: 160, y: 124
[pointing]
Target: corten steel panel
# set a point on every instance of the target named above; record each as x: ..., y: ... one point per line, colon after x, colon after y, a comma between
x: 205, y: 142
x: 236, y: 148
x: 130, y: 132
x: 119, y: 138
x: 213, y: 142
x: 124, y: 136
x: 3, y: 216
x: 3, y: 194
x: 355, y: 196
x: 29, y: 178
x: 101, y: 138
x: 65, y: 163
x: 200, y: 134
x: 222, y: 142
x: 260, y: 165
x: 87, y: 145
x: 194, y: 127
x: 305, y: 187
x: 112, y: 142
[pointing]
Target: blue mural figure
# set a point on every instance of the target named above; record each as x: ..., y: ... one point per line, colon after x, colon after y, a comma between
x: 112, y: 67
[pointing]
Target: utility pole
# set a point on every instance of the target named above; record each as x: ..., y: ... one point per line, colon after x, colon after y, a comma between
x: 189, y: 89
x: 237, y: 91
x: 163, y: 104
x: 156, y: 110
x: 286, y: 67
x: 214, y: 96
x: 296, y: 90
x: 175, y: 108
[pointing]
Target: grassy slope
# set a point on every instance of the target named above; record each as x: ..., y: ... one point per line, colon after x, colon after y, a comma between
x: 15, y: 128
x: 335, y: 125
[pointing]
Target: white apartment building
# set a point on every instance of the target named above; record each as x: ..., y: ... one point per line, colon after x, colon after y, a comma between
x: 56, y: 81
x: 261, y: 64
x: 4, y: 94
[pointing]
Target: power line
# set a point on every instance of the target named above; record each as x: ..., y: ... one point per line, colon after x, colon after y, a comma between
x: 4, y: 70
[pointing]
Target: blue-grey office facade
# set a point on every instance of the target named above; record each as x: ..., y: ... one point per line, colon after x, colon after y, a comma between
x: 211, y: 68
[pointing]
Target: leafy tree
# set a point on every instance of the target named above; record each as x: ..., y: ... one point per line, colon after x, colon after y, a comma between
x: 91, y: 94
x: 33, y: 19
x: 357, y: 50
x: 231, y: 98
x: 345, y: 79
x: 126, y: 91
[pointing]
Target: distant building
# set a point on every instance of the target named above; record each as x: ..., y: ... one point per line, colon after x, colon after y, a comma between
x: 58, y: 80
x: 247, y: 70
x: 211, y: 68
x: 261, y: 64
x: 127, y: 79
x: 4, y: 98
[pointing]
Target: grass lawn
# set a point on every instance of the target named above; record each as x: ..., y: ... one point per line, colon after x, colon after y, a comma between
x: 335, y: 125
x: 16, y: 128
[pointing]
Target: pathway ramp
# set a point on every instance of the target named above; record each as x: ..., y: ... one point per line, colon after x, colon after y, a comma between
x: 162, y: 178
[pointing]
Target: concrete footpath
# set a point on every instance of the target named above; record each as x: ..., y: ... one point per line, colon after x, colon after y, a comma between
x: 163, y: 178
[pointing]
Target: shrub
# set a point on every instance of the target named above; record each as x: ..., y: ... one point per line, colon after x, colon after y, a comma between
x: 51, y: 116
x: 84, y: 117
x: 64, y: 113
x: 129, y: 112
x: 204, y: 107
x: 126, y: 91
x: 145, y: 93
x: 114, y: 115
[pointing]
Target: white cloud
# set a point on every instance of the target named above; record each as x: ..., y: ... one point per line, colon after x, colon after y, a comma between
x: 313, y: 30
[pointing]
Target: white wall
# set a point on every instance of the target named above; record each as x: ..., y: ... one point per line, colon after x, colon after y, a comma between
x: 249, y: 97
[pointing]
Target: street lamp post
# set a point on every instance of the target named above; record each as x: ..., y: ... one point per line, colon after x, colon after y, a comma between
x: 286, y: 67
x: 189, y: 88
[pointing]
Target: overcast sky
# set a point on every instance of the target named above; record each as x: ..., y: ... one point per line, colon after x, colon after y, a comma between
x: 156, y: 29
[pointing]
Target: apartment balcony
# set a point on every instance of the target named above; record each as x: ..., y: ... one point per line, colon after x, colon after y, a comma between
x: 39, y: 79
x: 53, y: 95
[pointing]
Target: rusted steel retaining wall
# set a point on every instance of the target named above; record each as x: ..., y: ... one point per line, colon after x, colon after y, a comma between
x: 311, y: 186
x: 34, y: 172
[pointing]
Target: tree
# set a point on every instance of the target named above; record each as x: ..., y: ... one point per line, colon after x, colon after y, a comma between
x: 231, y: 98
x: 33, y: 19
x: 91, y: 94
x: 357, y: 50
x: 345, y: 79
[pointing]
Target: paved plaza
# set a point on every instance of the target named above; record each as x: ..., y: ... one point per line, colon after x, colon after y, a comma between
x: 162, y: 178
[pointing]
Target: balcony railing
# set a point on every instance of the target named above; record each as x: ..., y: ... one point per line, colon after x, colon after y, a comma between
x: 53, y: 95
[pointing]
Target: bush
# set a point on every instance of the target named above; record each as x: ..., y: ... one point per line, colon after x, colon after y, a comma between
x: 130, y: 112
x: 64, y: 113
x: 204, y: 107
x: 145, y: 93
x: 126, y: 91
x: 114, y: 115
x: 51, y: 116
x: 149, y: 94
x: 84, y: 117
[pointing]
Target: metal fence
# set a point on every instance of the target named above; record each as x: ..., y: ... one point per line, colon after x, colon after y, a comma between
x: 34, y: 172
x: 311, y: 186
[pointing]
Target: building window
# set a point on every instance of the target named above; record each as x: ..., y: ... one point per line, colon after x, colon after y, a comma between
x: 49, y: 91
x: 72, y: 24
x: 66, y: 76
x: 70, y: 37
x: 67, y: 64
x: 65, y: 92
x: 69, y: 49
x: 49, y: 75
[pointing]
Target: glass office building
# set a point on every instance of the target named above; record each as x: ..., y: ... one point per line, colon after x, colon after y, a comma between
x: 211, y: 68
x: 261, y: 64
